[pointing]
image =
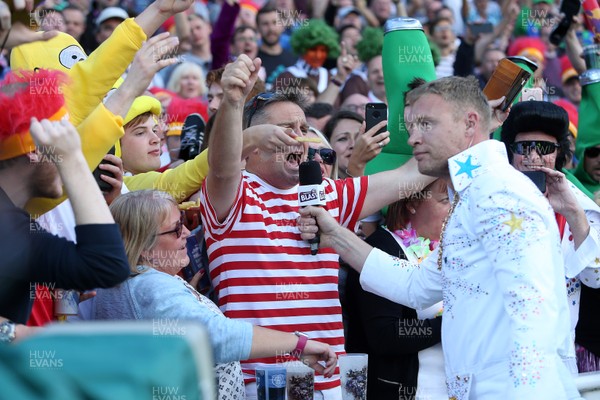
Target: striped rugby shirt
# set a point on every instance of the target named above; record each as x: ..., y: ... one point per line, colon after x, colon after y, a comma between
x: 263, y: 271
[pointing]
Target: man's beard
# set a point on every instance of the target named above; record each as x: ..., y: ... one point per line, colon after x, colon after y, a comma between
x: 46, y: 182
x: 268, y: 43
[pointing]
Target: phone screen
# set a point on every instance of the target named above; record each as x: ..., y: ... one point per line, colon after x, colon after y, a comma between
x: 485, y: 27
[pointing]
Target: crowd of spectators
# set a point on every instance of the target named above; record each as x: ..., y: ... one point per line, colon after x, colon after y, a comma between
x: 196, y: 116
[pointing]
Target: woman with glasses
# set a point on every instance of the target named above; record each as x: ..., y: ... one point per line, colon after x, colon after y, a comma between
x: 354, y: 149
x: 155, y: 241
x: 404, y: 345
x: 537, y: 139
x: 323, y: 153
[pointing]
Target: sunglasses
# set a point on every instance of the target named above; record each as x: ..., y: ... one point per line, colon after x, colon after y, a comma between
x: 257, y: 103
x: 592, y: 152
x: 327, y: 155
x: 525, y: 147
x: 178, y: 227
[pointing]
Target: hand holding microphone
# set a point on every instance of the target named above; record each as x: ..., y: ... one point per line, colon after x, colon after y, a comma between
x: 311, y: 193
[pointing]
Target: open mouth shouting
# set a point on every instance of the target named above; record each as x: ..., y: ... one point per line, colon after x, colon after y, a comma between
x: 294, y: 159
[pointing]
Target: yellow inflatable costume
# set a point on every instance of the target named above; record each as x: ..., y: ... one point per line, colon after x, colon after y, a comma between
x: 90, y: 78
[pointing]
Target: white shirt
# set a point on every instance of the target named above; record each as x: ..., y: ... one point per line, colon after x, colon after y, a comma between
x: 582, y: 266
x: 505, y: 321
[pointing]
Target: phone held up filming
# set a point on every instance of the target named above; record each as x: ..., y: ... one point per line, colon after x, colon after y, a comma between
x: 507, y: 80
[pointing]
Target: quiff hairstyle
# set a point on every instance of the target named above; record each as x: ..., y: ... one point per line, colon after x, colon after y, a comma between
x: 461, y: 93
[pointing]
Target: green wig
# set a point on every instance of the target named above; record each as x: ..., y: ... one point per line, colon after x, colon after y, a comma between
x: 370, y: 45
x: 314, y: 33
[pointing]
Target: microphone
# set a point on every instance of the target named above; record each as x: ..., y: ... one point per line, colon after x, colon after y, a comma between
x: 311, y: 192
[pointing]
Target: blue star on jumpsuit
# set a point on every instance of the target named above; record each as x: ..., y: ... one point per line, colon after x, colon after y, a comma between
x: 466, y: 167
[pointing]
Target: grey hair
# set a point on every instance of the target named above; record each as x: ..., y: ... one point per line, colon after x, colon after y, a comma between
x: 288, y: 96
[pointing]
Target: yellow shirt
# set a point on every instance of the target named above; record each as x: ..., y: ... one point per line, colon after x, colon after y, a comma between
x: 180, y: 182
x: 90, y: 80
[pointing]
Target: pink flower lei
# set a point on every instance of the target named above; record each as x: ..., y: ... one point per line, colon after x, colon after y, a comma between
x: 417, y: 246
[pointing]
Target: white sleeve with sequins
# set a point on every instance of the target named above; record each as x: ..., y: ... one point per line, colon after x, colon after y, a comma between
x: 585, y: 261
x: 528, y: 270
x: 403, y: 282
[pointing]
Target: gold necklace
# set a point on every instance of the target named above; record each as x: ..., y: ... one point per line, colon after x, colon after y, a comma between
x: 441, y: 246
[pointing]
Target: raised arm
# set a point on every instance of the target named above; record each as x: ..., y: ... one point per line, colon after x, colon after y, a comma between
x: 222, y: 33
x: 345, y: 65
x: 226, y: 148
x: 368, y: 145
x: 98, y: 259
x: 158, y: 12
x: 390, y: 186
x: 61, y: 137
x: 147, y: 62
x: 573, y: 46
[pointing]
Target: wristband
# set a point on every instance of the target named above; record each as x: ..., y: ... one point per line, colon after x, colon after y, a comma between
x: 336, y: 82
x: 302, y: 339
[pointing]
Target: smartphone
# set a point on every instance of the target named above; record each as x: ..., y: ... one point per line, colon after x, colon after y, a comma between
x: 507, y: 80
x: 539, y: 178
x: 532, y: 94
x: 374, y: 114
x: 479, y: 28
x: 568, y: 8
x: 104, y: 186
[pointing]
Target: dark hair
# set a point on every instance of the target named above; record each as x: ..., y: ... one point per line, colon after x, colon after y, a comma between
x: 336, y: 118
x: 444, y: 7
x: 257, y: 111
x: 214, y: 75
x: 415, y: 83
x: 398, y: 216
x: 309, y: 83
x: 242, y: 29
x: 207, y: 131
x: 436, y: 22
x: 72, y: 7
x: 531, y: 116
x: 342, y: 28
x: 319, y: 110
x: 268, y: 8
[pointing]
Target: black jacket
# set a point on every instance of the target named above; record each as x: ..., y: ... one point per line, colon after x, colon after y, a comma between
x: 588, y: 326
x: 390, y: 333
x: 30, y: 255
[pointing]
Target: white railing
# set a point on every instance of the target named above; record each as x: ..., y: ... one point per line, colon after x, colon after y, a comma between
x: 588, y: 384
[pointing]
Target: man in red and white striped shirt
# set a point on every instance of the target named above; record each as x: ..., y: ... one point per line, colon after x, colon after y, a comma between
x: 261, y: 268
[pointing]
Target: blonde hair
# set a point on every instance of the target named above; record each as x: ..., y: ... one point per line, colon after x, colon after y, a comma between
x: 174, y: 84
x: 462, y: 94
x: 140, y: 215
x: 334, y: 168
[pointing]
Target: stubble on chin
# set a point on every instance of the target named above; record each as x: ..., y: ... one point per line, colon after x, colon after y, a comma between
x: 45, y: 181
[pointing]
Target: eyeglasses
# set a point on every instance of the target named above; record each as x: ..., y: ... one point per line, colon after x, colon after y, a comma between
x: 178, y: 227
x: 327, y: 155
x: 243, y: 39
x: 592, y: 152
x: 442, y: 28
x: 525, y: 147
x: 357, y: 108
x: 257, y: 103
